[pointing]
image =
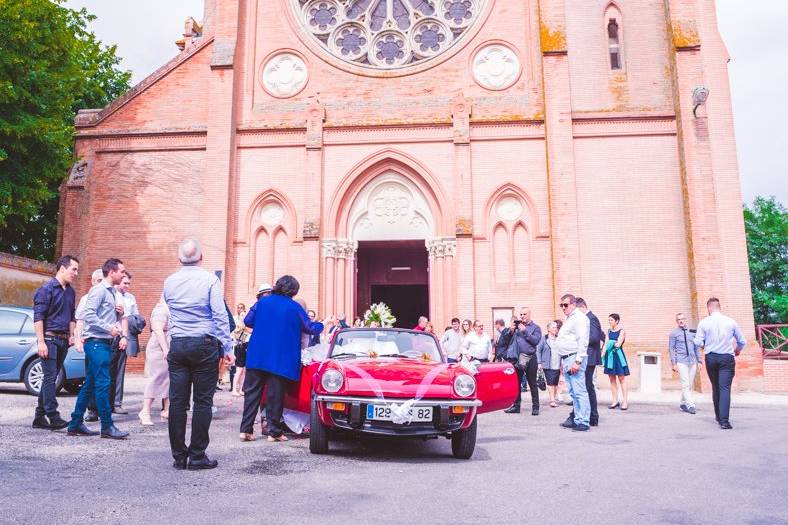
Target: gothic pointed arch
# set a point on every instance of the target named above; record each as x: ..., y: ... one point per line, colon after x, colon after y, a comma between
x: 397, y: 165
x: 269, y: 230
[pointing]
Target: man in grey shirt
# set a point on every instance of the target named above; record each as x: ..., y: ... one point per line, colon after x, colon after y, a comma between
x: 200, y: 331
x: 451, y: 341
x: 101, y: 326
x: 685, y: 359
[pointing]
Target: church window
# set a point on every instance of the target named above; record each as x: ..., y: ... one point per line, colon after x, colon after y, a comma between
x: 387, y: 34
x: 613, y: 44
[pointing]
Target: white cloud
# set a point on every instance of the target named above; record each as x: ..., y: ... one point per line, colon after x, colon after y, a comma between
x: 145, y: 32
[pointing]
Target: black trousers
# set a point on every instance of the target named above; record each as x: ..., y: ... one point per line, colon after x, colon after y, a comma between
x: 721, y: 369
x: 254, y: 382
x: 591, y: 394
x: 47, y: 397
x: 194, y: 365
x: 530, y: 376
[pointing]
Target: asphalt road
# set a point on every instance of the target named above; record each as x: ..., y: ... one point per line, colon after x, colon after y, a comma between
x: 651, y: 464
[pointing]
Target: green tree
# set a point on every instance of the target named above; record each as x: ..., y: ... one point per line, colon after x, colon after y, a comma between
x: 50, y: 67
x: 766, y: 226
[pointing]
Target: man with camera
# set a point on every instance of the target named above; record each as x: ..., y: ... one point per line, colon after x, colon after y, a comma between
x: 522, y: 336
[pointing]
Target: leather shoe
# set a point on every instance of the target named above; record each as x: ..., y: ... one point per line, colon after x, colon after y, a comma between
x: 725, y: 425
x: 581, y: 428
x: 92, y: 417
x: 594, y: 422
x: 41, y: 422
x: 56, y: 422
x: 118, y: 410
x: 81, y: 430
x: 512, y: 410
x: 113, y: 433
x: 179, y: 464
x: 569, y: 423
x: 535, y: 412
x: 202, y: 464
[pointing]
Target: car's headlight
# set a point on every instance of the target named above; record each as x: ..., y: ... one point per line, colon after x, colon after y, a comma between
x: 464, y: 385
x: 332, y: 380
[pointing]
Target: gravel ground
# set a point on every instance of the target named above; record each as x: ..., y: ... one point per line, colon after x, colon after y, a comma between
x: 651, y: 464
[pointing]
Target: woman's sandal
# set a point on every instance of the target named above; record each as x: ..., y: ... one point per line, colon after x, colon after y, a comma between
x: 247, y: 437
x: 272, y: 439
x: 611, y: 407
x: 164, y: 416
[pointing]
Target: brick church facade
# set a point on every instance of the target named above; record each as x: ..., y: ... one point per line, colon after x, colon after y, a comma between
x: 449, y: 157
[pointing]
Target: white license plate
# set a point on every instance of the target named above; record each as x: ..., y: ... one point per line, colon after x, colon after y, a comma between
x: 383, y: 413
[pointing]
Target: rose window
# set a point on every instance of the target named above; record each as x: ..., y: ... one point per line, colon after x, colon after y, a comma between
x: 387, y: 34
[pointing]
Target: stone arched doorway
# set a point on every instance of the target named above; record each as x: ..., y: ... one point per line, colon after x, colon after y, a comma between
x: 388, y: 246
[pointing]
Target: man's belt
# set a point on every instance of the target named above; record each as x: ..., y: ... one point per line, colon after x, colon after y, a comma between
x: 58, y: 335
x: 568, y: 355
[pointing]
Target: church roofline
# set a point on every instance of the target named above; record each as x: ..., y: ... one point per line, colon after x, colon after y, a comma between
x: 87, y: 118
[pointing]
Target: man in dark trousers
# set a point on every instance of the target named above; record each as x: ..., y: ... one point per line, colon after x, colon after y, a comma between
x: 200, y: 331
x: 595, y: 339
x: 527, y: 335
x: 53, y: 320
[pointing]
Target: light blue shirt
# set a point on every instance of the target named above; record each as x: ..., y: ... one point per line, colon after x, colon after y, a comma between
x: 716, y: 332
x: 194, y: 297
x: 99, y: 312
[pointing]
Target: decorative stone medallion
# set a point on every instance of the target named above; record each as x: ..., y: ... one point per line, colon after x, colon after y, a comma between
x: 509, y: 208
x: 272, y: 214
x: 284, y: 75
x: 496, y: 67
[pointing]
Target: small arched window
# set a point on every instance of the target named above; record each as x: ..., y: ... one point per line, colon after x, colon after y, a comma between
x: 614, y: 44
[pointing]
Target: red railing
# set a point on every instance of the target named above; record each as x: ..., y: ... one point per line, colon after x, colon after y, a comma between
x: 773, y: 340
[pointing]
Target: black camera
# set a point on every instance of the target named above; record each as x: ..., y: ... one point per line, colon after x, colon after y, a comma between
x: 517, y: 323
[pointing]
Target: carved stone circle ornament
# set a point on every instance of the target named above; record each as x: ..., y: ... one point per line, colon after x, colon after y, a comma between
x: 509, y: 208
x: 284, y: 75
x: 387, y: 34
x: 496, y: 67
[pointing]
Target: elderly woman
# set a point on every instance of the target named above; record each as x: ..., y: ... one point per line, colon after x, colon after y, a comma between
x: 273, y: 357
x: 549, y: 361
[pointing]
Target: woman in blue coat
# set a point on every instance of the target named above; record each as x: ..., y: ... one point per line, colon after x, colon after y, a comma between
x: 273, y: 356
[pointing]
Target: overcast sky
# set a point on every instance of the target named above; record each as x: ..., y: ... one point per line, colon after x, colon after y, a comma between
x: 145, y: 32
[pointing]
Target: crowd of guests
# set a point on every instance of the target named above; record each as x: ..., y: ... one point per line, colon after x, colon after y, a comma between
x: 195, y: 337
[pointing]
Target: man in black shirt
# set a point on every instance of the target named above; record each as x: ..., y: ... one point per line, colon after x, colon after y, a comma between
x: 53, y: 320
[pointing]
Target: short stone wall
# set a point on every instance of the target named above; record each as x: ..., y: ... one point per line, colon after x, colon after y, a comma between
x: 20, y: 277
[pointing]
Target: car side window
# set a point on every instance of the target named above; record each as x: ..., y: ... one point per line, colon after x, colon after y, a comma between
x: 11, y: 322
x: 27, y: 328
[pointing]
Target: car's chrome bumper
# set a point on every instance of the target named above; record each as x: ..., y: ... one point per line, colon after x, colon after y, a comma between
x: 418, y: 403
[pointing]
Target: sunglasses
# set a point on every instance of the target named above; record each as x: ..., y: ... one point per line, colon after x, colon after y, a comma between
x: 564, y: 305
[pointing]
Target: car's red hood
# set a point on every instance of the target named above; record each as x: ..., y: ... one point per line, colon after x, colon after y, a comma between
x: 389, y: 377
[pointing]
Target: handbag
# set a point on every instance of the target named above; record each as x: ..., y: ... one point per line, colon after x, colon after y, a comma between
x: 522, y: 361
x: 540, y: 380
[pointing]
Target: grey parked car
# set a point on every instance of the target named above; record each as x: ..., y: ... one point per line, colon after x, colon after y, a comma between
x: 19, y: 362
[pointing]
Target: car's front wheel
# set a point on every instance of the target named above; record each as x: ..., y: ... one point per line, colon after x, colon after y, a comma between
x: 318, y: 432
x: 34, y: 376
x: 463, y: 442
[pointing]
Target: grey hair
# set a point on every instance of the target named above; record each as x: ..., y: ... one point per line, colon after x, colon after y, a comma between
x: 189, y: 252
x: 551, y: 324
x: 97, y: 275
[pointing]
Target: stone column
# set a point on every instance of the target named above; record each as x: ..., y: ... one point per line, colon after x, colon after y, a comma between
x: 441, y: 263
x: 561, y: 184
x: 329, y: 276
x: 449, y: 280
x: 312, y: 211
x: 463, y: 197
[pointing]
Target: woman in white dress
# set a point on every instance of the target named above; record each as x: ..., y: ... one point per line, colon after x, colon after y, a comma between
x: 158, y: 385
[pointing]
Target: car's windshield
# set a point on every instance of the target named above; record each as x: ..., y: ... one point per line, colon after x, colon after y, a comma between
x: 385, y: 343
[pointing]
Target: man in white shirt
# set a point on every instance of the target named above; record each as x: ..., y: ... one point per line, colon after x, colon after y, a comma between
x: 477, y: 345
x: 572, y: 345
x: 129, y: 303
x: 451, y: 340
x: 716, y: 334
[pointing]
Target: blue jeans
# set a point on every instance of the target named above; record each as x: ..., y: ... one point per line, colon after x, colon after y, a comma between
x: 98, y: 355
x: 577, y: 389
x: 51, y: 366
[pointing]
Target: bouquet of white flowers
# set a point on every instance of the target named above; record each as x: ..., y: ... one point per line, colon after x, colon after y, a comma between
x: 379, y: 314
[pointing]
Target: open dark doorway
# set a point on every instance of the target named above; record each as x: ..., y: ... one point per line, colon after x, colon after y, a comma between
x: 407, y: 301
x: 395, y: 273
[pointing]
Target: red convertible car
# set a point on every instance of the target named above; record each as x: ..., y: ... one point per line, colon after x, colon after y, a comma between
x: 395, y: 382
